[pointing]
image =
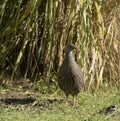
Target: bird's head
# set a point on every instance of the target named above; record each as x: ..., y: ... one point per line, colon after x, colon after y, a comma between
x: 69, y: 48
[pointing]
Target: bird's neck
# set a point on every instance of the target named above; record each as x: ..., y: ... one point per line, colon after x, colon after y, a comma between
x: 69, y: 56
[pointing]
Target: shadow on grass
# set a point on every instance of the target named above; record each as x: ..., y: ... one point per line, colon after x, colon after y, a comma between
x: 28, y: 101
x: 16, y: 101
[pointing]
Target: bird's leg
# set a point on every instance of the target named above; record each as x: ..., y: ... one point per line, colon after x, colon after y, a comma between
x: 66, y: 99
x: 73, y: 104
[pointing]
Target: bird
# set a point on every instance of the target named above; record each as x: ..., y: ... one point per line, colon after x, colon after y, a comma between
x: 108, y: 110
x: 70, y: 75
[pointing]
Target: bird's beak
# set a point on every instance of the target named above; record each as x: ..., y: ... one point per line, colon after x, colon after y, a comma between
x: 73, y: 47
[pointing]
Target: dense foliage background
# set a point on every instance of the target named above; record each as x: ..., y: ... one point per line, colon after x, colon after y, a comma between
x: 33, y: 34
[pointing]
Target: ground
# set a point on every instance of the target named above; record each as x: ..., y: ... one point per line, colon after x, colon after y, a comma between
x: 24, y: 105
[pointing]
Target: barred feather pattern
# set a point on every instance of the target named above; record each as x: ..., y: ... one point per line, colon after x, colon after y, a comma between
x: 70, y: 76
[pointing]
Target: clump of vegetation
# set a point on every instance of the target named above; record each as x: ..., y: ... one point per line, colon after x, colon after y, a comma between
x: 34, y: 33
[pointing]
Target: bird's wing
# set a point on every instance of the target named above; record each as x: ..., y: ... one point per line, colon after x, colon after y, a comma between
x: 77, y: 76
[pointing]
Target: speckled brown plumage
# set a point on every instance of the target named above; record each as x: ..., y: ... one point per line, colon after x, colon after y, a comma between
x: 70, y: 76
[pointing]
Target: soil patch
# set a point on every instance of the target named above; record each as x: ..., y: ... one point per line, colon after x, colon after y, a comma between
x: 16, y: 98
x: 31, y: 101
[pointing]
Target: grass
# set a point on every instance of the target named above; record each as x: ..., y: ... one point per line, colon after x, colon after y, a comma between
x: 52, y: 108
